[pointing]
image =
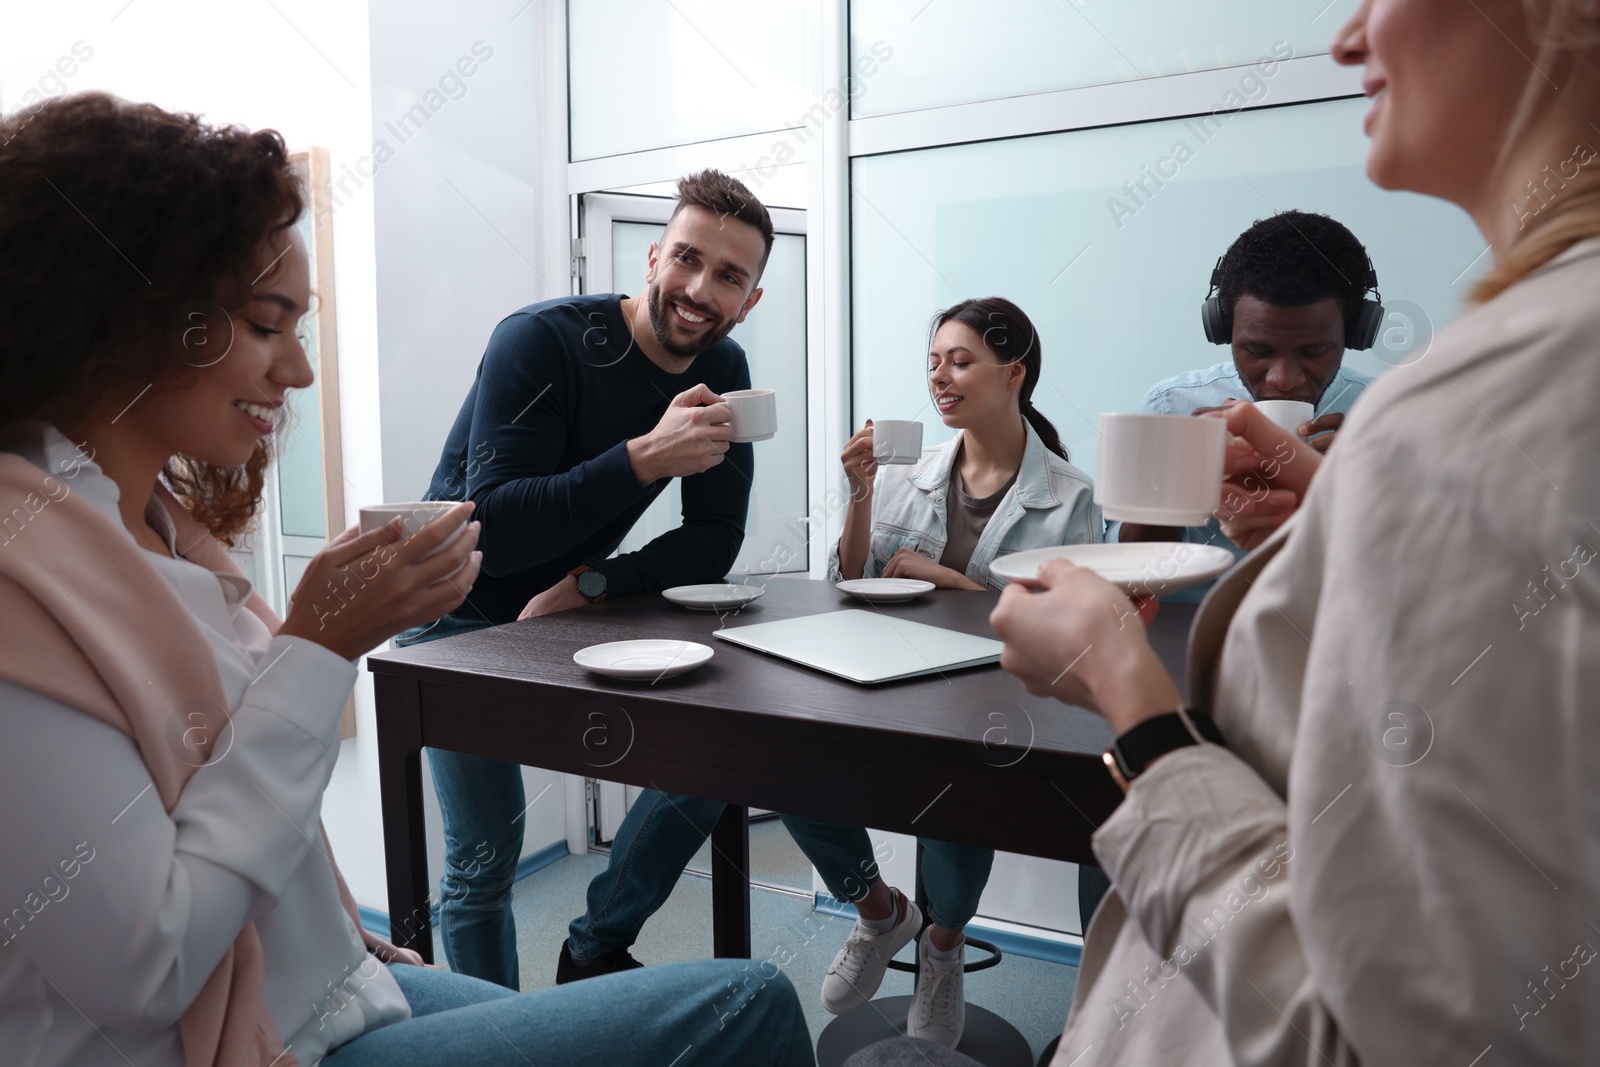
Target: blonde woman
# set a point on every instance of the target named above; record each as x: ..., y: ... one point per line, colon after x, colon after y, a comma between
x: 1394, y: 855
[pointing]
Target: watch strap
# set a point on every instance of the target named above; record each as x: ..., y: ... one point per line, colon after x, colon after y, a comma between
x: 1135, y: 750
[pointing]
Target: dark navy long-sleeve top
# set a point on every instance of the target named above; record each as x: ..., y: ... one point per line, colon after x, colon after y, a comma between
x: 541, y: 446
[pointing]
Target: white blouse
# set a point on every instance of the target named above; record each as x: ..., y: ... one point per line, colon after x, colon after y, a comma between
x: 113, y: 912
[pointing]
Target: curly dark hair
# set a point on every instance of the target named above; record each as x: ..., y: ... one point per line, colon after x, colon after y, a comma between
x: 1293, y: 259
x: 114, y: 217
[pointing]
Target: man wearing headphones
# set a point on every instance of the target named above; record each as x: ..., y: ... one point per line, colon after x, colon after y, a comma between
x: 1290, y: 297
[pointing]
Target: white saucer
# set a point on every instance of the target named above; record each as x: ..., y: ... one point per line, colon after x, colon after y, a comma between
x: 1149, y: 568
x: 642, y: 659
x: 885, y: 590
x: 720, y: 596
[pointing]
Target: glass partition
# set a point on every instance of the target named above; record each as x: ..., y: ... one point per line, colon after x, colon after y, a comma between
x: 644, y: 74
x: 907, y: 55
x: 300, y: 464
x: 1107, y: 239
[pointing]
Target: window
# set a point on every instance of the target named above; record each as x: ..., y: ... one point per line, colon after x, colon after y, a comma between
x: 644, y: 74
x: 915, y: 54
x: 1107, y: 238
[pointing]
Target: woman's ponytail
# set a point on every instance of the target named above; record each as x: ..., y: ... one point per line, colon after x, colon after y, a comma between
x: 1047, y: 432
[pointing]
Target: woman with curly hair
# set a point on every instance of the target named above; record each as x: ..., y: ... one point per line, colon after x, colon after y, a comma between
x: 167, y: 893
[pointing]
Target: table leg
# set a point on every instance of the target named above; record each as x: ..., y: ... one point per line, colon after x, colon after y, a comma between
x: 405, y: 844
x: 730, y: 883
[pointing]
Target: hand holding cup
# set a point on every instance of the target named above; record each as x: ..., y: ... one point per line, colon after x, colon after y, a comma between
x: 1267, y: 472
x: 691, y: 436
x: 859, y: 466
x: 361, y: 590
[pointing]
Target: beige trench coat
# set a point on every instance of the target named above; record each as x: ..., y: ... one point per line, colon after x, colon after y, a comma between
x: 1396, y: 860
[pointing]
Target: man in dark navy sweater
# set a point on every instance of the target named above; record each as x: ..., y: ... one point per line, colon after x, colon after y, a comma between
x: 568, y: 435
x: 583, y: 410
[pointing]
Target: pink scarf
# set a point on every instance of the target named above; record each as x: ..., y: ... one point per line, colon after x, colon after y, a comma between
x: 89, y: 622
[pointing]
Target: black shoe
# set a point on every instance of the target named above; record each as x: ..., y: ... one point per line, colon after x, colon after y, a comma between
x: 570, y: 970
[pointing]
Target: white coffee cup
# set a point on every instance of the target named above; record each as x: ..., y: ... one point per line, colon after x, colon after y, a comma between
x: 1289, y: 414
x: 896, y: 441
x: 755, y: 413
x: 414, y: 516
x: 1163, y: 470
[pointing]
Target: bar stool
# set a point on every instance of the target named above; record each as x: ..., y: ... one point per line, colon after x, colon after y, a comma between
x: 986, y: 1037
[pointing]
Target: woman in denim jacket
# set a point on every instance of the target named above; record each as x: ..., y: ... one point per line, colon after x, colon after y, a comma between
x: 1003, y: 484
x: 1006, y: 461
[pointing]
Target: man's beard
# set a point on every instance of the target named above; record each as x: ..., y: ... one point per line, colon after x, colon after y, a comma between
x: 659, y: 323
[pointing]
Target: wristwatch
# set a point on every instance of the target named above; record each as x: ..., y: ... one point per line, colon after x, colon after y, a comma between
x: 1135, y: 750
x: 591, y: 583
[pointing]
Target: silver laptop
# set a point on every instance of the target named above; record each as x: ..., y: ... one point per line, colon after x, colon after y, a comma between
x: 866, y: 646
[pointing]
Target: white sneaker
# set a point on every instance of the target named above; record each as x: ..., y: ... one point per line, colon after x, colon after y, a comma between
x: 857, y: 970
x: 939, y: 1009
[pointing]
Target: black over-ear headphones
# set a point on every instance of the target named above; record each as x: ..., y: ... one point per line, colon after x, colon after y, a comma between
x: 1360, y: 328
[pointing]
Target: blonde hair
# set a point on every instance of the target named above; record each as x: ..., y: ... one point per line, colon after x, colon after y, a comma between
x: 1562, y: 31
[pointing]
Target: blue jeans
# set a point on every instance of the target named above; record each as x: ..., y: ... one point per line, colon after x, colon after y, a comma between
x: 480, y: 802
x: 657, y: 839
x: 953, y: 875
x: 712, y: 1012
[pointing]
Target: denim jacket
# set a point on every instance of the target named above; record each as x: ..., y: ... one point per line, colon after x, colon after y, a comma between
x: 1051, y: 503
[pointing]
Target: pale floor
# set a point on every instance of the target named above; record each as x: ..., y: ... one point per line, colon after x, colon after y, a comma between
x: 1031, y: 994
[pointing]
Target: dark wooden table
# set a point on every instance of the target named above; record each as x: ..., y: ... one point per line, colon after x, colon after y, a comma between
x: 965, y: 756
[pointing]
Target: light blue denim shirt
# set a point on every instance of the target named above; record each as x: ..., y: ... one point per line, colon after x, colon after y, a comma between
x: 1209, y: 387
x: 1051, y: 503
x: 1182, y: 393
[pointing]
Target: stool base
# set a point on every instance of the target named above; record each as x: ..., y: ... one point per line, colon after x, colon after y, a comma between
x: 986, y: 1037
